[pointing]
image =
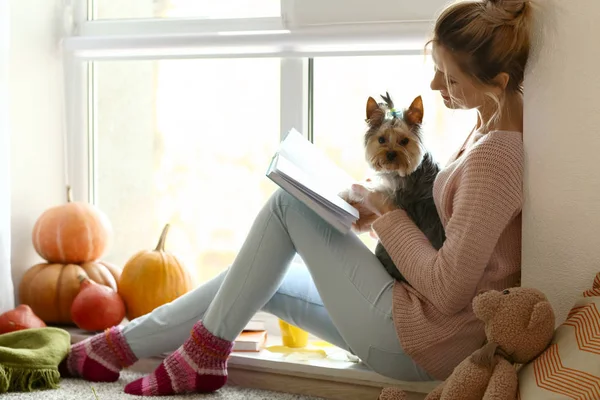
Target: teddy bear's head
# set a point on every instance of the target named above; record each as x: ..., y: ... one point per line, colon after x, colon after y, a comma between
x: 519, y: 320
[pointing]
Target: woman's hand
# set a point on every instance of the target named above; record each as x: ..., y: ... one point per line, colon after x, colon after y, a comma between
x: 374, y: 202
x: 365, y: 220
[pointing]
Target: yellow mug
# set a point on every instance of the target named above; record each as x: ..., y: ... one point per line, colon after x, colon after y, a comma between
x: 292, y: 336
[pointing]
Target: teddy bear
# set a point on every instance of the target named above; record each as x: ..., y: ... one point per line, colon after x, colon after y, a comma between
x: 519, y: 325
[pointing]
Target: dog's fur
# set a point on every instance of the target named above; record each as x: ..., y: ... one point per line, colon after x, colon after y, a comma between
x: 405, y: 170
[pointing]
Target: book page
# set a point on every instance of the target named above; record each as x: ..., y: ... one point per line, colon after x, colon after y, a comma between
x: 338, y: 218
x: 310, y: 159
x: 316, y: 188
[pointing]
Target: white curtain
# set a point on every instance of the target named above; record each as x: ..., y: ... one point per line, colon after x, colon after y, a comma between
x: 6, y: 284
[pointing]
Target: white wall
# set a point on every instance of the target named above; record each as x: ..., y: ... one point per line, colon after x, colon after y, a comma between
x: 6, y: 284
x: 561, y: 236
x: 36, y: 138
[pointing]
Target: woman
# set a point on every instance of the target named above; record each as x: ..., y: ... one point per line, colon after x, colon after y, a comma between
x: 417, y: 332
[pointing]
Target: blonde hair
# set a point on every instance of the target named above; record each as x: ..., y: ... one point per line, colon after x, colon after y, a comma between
x: 488, y: 37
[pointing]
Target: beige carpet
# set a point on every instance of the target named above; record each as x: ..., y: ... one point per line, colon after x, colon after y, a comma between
x: 76, y: 389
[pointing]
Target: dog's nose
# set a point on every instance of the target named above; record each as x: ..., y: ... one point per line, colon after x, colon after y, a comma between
x: 391, y: 155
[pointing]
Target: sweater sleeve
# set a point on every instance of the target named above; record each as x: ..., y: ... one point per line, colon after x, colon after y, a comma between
x: 487, y: 196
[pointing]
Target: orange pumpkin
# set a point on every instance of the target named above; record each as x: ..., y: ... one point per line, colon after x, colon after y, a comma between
x: 152, y: 278
x: 49, y: 289
x: 72, y: 233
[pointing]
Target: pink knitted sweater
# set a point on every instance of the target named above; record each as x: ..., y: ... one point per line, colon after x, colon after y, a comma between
x: 478, y: 197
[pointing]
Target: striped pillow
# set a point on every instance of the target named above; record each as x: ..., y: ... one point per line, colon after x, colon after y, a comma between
x: 570, y: 367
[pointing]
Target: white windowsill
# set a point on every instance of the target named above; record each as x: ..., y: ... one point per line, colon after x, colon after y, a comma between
x: 325, y: 368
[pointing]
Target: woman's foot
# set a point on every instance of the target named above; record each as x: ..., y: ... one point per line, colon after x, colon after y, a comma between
x: 198, y: 366
x: 99, y: 358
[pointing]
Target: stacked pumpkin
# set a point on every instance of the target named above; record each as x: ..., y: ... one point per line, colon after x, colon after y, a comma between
x: 72, y: 238
x: 74, y: 286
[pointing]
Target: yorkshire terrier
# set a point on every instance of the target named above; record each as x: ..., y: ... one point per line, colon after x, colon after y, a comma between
x: 404, y: 169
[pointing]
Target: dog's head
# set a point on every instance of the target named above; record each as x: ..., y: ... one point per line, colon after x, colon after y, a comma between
x: 393, y: 142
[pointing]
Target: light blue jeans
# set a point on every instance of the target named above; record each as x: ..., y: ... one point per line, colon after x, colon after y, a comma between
x: 342, y: 294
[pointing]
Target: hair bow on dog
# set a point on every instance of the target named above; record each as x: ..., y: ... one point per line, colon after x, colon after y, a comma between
x: 393, y: 113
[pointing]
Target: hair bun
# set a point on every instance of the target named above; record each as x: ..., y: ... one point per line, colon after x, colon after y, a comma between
x: 503, y: 12
x: 512, y: 6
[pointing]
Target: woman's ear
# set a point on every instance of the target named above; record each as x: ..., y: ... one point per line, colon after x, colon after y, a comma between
x: 501, y: 80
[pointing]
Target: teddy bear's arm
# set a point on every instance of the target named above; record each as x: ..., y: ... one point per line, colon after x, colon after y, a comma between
x: 436, y: 394
x: 504, y: 382
x: 392, y: 393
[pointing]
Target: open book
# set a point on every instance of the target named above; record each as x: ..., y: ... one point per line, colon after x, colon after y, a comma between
x: 303, y: 170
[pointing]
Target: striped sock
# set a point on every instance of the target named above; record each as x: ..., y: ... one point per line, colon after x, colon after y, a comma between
x: 198, y: 366
x: 99, y: 358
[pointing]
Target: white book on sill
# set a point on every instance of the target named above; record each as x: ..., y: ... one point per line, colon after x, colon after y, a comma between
x: 255, y: 325
x: 302, y: 169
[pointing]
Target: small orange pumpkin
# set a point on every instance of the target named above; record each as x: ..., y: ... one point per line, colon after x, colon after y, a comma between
x: 152, y: 278
x: 49, y: 289
x: 72, y: 233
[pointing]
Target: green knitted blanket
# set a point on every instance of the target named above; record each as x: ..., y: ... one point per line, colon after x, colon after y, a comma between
x: 29, y: 359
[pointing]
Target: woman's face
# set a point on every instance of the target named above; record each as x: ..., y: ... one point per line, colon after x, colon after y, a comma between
x: 458, y: 90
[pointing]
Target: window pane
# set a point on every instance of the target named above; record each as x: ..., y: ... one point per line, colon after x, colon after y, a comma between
x: 185, y: 142
x: 342, y: 86
x: 214, y: 9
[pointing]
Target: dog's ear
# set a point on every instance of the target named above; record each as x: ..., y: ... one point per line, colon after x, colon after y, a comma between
x: 375, y: 114
x: 414, y: 114
x: 372, y: 106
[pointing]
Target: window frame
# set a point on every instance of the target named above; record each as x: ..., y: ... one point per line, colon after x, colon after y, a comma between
x: 87, y: 41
